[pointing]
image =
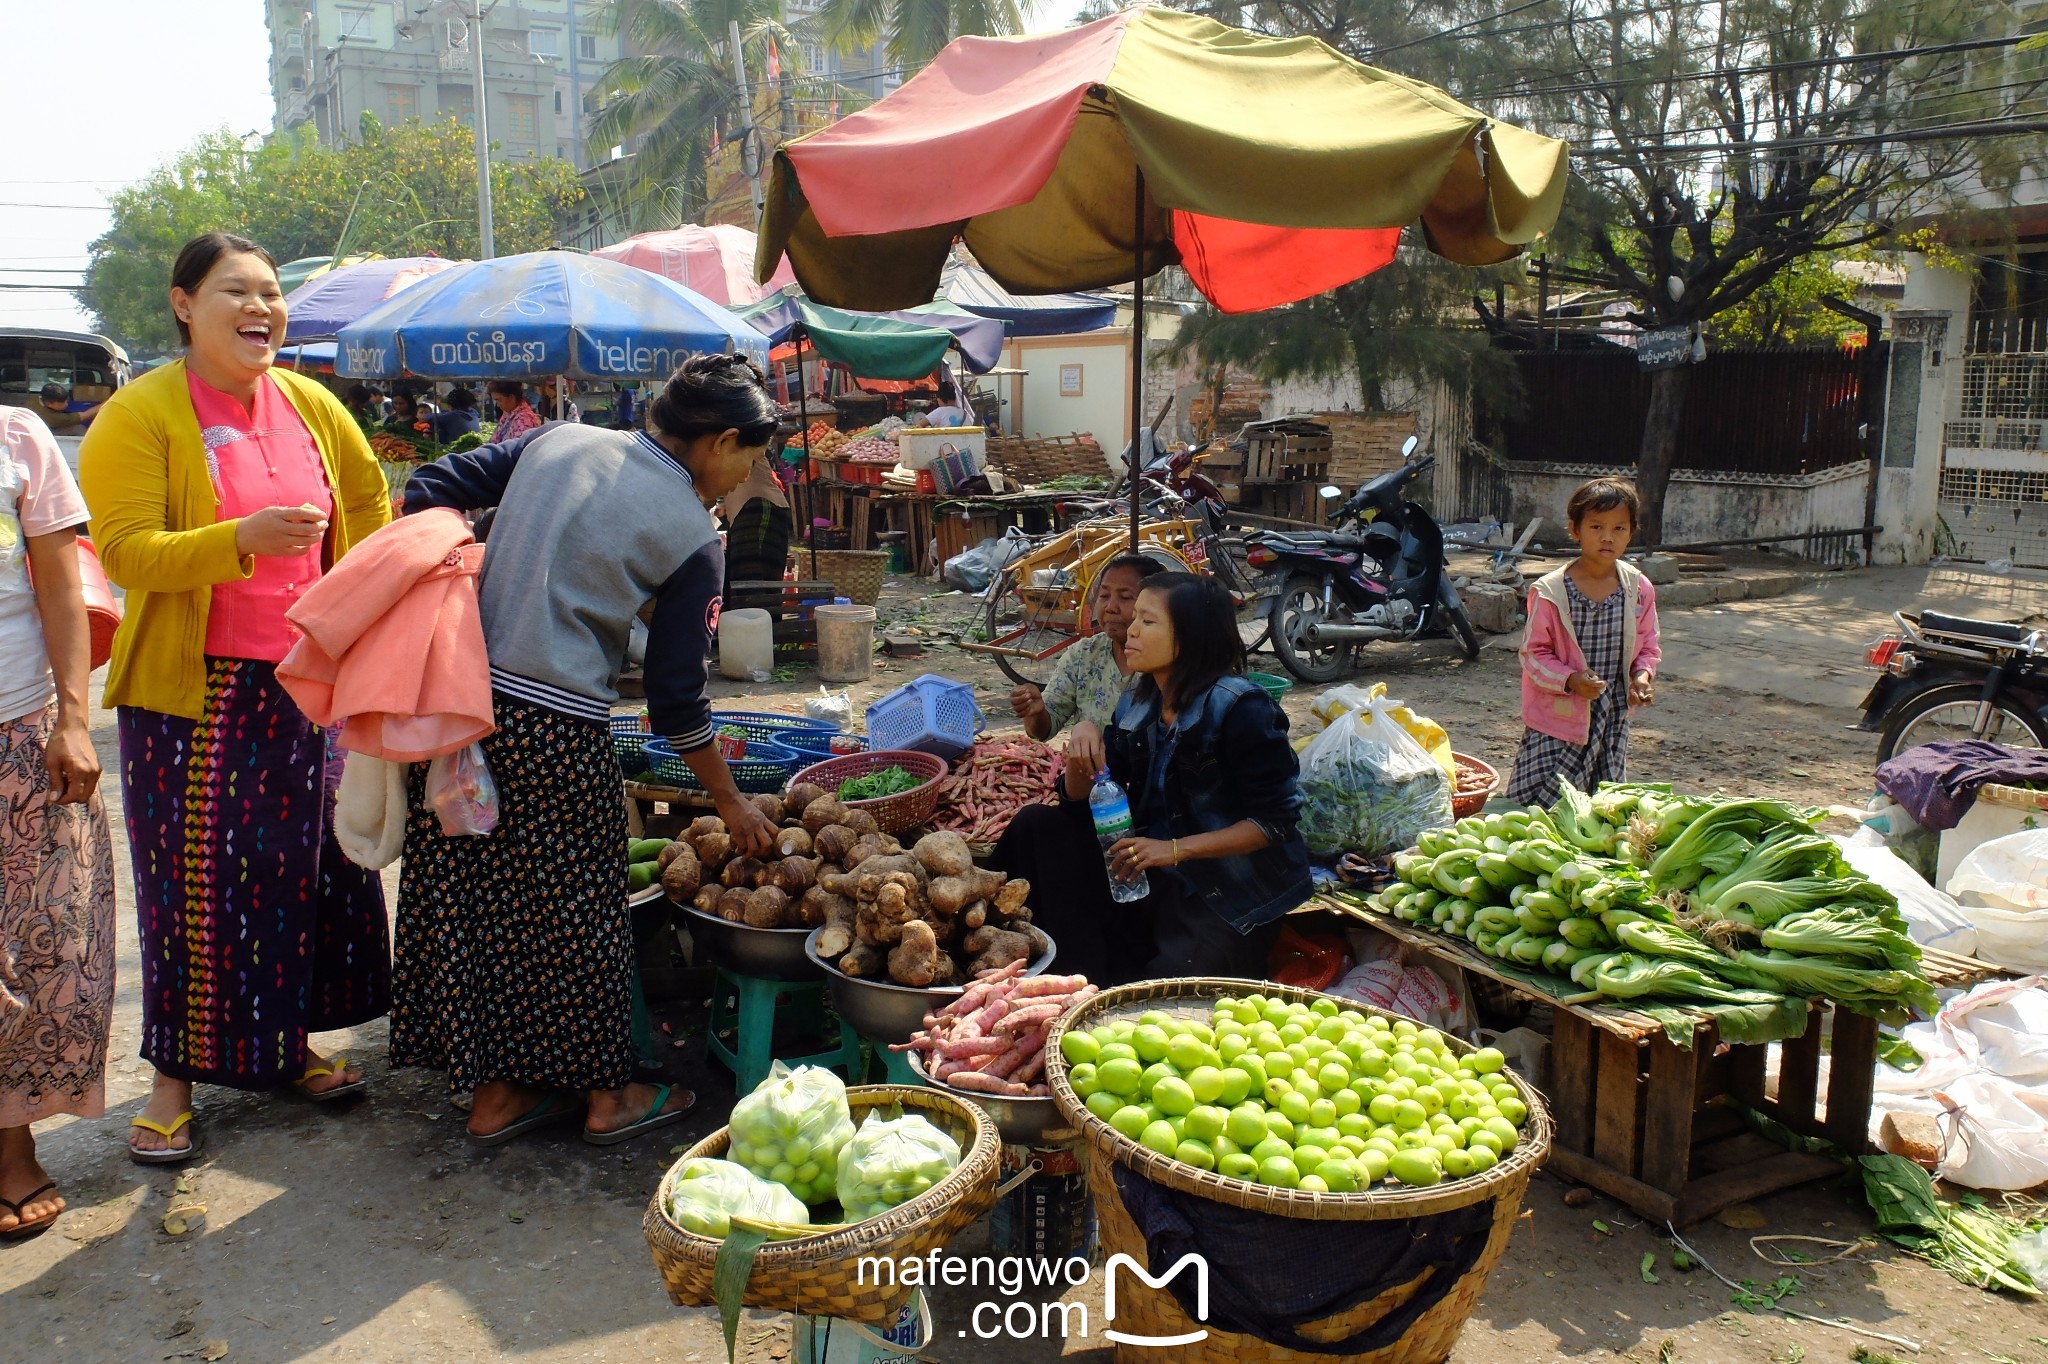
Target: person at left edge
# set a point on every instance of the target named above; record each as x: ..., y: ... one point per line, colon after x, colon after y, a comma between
x: 515, y: 952
x: 221, y: 488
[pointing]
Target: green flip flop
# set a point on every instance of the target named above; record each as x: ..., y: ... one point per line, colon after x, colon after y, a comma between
x: 655, y: 1118
x: 555, y: 1108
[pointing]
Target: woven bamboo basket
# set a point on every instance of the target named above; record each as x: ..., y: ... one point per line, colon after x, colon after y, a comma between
x: 857, y: 573
x: 821, y: 1275
x: 1477, y: 782
x: 1156, y: 1312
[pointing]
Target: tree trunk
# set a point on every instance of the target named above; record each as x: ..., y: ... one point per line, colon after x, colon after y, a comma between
x: 1660, y: 446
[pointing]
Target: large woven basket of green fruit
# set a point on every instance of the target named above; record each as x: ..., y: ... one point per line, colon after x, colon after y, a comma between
x: 1246, y: 1111
x: 827, y: 1268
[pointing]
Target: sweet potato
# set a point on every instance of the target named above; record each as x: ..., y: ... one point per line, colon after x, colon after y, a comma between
x: 765, y: 908
x: 915, y: 958
x: 952, y: 892
x: 861, y: 822
x: 682, y: 874
x: 732, y: 903
x: 972, y: 917
x: 706, y: 898
x: 868, y: 877
x: 714, y: 849
x: 820, y: 813
x: 794, y: 842
x: 865, y: 962
x: 798, y: 798
x: 834, y: 842
x: 792, y: 875
x: 838, y: 917
x: 948, y: 971
x: 1018, y: 917
x: 868, y: 846
x: 946, y: 854
x: 768, y: 804
x: 742, y: 871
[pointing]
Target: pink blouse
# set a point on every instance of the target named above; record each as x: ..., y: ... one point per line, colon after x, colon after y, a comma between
x: 264, y: 458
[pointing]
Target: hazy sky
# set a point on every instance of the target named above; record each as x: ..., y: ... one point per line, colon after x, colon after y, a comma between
x: 96, y: 105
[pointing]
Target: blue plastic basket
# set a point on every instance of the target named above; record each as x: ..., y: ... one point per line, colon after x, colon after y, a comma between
x: 764, y: 769
x: 629, y: 736
x: 766, y: 725
x: 930, y: 714
x: 816, y: 748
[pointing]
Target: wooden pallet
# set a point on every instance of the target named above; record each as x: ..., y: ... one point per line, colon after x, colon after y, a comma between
x: 1663, y: 1127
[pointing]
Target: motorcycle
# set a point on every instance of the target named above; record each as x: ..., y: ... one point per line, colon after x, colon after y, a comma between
x: 1951, y: 677
x: 1378, y: 573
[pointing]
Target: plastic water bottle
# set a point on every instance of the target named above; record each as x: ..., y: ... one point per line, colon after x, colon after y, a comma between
x: 1112, y: 812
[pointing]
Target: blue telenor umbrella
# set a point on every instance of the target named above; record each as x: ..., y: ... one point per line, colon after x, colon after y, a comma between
x: 326, y: 303
x: 546, y: 312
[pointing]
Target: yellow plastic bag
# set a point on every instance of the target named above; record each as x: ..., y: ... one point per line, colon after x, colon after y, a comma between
x: 1425, y: 731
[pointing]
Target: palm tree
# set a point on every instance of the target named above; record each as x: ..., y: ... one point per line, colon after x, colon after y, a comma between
x: 911, y: 32
x: 679, y: 98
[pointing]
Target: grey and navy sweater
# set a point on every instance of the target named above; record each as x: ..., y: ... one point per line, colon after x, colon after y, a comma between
x: 593, y: 527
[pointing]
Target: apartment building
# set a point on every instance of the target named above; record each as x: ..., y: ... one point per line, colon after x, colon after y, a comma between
x: 334, y: 60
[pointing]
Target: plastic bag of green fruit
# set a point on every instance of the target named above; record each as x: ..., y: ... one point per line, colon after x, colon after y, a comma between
x: 891, y: 1161
x: 707, y: 1194
x: 791, y: 1129
x: 1299, y: 1096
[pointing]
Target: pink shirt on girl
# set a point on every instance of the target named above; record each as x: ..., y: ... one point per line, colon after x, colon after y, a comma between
x: 264, y: 458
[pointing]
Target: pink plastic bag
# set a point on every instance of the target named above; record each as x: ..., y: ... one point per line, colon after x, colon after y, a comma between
x: 463, y: 794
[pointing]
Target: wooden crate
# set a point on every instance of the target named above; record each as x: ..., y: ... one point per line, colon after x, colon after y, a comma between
x: 1290, y: 451
x: 789, y: 608
x: 1662, y: 1127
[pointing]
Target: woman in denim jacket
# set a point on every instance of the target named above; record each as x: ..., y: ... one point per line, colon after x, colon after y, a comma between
x: 1203, y: 755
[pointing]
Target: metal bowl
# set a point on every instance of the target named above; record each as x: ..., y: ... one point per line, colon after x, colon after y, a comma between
x: 769, y: 953
x: 649, y: 910
x: 884, y: 1011
x: 1029, y: 1120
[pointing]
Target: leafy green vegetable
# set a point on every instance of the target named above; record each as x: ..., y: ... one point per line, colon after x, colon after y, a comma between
x: 1971, y: 1245
x: 890, y: 781
x: 1781, y: 857
x: 1843, y: 932
x: 1626, y: 976
x: 1648, y: 1268
x: 1844, y: 982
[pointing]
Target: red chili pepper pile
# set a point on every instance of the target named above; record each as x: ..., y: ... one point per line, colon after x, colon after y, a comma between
x: 991, y: 782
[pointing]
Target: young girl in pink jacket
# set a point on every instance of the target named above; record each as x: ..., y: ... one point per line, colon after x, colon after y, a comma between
x: 1591, y: 655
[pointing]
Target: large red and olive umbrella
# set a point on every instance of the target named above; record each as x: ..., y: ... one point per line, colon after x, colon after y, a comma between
x: 1270, y: 169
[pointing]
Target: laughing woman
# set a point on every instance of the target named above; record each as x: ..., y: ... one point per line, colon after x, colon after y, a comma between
x: 220, y: 490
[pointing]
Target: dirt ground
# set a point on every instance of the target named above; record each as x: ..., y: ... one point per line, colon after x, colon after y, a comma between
x: 376, y: 1233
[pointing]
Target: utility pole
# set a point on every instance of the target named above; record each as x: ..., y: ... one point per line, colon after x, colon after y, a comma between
x: 486, y: 247
x: 749, y: 143
x: 575, y: 84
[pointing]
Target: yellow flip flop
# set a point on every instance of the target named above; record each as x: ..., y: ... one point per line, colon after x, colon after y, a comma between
x: 335, y: 1065
x: 169, y: 1155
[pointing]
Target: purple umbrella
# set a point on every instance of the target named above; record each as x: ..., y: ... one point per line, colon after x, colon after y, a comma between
x: 325, y: 304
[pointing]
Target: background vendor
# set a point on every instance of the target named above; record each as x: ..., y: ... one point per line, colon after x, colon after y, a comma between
x: 1203, y: 755
x: 758, y: 527
x: 1091, y: 673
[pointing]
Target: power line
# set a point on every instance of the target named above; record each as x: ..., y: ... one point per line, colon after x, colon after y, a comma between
x: 1942, y: 133
x: 77, y: 208
x: 1378, y: 52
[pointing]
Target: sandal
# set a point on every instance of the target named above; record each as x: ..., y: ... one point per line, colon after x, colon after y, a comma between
x: 553, y: 1109
x: 656, y: 1117
x: 335, y: 1065
x: 170, y: 1155
x: 22, y: 1229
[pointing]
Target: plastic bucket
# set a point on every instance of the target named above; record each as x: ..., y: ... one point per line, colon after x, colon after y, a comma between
x: 846, y: 642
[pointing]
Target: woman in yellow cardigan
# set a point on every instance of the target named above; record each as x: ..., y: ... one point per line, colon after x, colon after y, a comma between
x: 220, y: 489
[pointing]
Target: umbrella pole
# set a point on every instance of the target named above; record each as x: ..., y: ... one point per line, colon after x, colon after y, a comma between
x: 803, y: 414
x: 1137, y: 460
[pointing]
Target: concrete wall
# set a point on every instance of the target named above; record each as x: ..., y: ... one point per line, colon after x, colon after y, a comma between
x: 1699, y: 508
x: 1922, y: 391
x: 1102, y: 409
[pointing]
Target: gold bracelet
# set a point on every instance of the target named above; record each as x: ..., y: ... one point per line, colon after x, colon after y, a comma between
x: 1176, y: 852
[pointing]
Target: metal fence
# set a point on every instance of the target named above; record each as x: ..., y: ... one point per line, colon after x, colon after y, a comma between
x: 1776, y: 413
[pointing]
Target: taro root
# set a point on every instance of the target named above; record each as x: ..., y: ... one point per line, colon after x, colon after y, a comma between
x: 820, y: 813
x: 799, y: 797
x: 946, y: 854
x: 769, y: 805
x: 861, y: 822
x: 794, y: 842
x: 765, y: 908
x: 672, y: 852
x: 834, y: 842
x: 1010, y: 899
x: 792, y: 875
x: 707, y: 897
x: 743, y: 871
x: 732, y: 903
x: 714, y: 850
x: 995, y: 948
x: 838, y: 917
x: 865, y: 962
x: 816, y: 905
x: 914, y: 960
x: 702, y: 825
x: 681, y: 875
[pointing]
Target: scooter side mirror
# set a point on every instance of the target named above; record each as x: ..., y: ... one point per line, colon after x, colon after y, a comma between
x: 1408, y: 446
x: 1328, y: 491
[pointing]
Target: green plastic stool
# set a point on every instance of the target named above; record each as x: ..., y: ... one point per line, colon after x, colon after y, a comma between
x: 895, y: 1065
x: 753, y: 1026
